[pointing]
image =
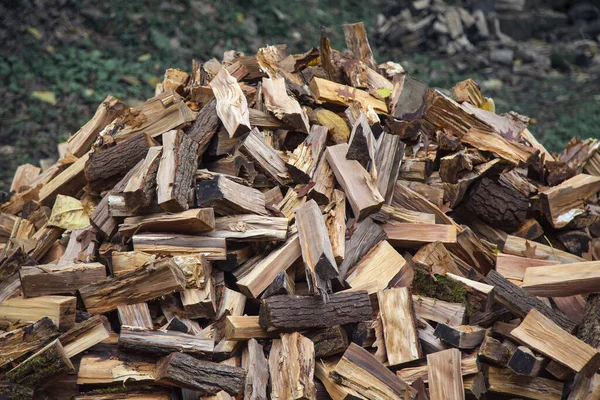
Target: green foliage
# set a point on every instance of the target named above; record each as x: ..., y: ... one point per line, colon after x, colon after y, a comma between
x: 438, y: 287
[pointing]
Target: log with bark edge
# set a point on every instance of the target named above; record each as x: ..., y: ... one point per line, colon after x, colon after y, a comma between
x: 306, y: 312
x: 178, y: 244
x: 16, y: 343
x: 445, y: 377
x: 164, y: 342
x: 49, y: 279
x: 60, y: 309
x: 140, y: 188
x: 265, y: 157
x: 143, y: 284
x: 228, y: 197
x: 291, y: 367
x: 232, y: 106
x: 328, y: 341
x: 192, y: 221
x: 23, y: 177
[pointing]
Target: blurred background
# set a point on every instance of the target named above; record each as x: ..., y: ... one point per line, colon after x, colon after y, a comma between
x: 60, y: 58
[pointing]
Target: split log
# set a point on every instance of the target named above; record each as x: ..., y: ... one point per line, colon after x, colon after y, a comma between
x: 192, y: 221
x: 469, y: 365
x: 170, y: 244
x: 291, y: 367
x: 365, y: 235
x: 503, y: 380
x: 68, y: 182
x: 562, y: 280
x: 517, y: 246
x: 140, y: 188
x: 241, y: 328
x: 524, y: 362
x: 23, y: 177
x: 336, y: 225
x: 405, y: 197
x: 323, y: 370
x: 328, y: 341
x: 228, y: 197
x: 514, y: 267
x: 322, y: 191
x: 137, y: 286
x: 176, y: 171
x: 200, y: 303
x: 205, y: 126
x: 409, y: 99
x: 164, y: 342
x: 232, y: 106
x: 358, y: 185
x: 18, y: 342
x: 445, y: 376
x: 135, y: 315
x: 284, y: 107
x: 246, y: 227
x: 361, y: 145
x: 206, y: 377
x: 317, y: 252
x: 435, y: 259
x: 257, y: 371
x: 298, y: 312
x: 439, y: 311
x: 541, y: 334
x: 358, y: 43
x: 388, y: 160
x: 416, y: 235
x: 360, y: 371
x: 49, y: 279
x: 282, y: 284
x: 415, y: 169
x: 303, y: 161
x: 99, y: 369
x: 266, y: 158
x: 493, y: 351
x: 461, y: 336
x: 60, y: 309
x: 331, y: 92
x: 85, y: 335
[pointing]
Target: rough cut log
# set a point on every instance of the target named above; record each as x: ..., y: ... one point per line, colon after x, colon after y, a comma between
x: 228, y: 197
x: 416, y: 235
x: 85, y: 335
x: 241, y: 328
x: 143, y: 284
x: 331, y: 92
x: 317, y: 252
x: 398, y: 325
x: 524, y: 362
x: 266, y: 158
x: 205, y: 126
x: 518, y: 246
x: 561, y: 203
x: 544, y: 336
x: 563, y: 280
x: 303, y: 162
x: 435, y: 259
x: 164, y: 342
x: 205, y: 377
x: 439, y: 311
x: 323, y: 370
x: 445, y: 376
x: 328, y: 341
x: 23, y: 177
x: 50, y: 279
x: 503, y: 380
x: 360, y: 371
x: 388, y: 160
x: 257, y: 371
x: 291, y: 368
x: 409, y: 99
x: 136, y: 315
x: 60, y: 309
x: 140, y: 188
x: 358, y: 185
x: 68, y: 182
x: 176, y: 171
x: 40, y: 367
x: 336, y: 225
x: 16, y: 343
x: 461, y: 336
x: 304, y: 312
x: 284, y: 107
x: 246, y: 227
x: 232, y: 106
x: 267, y: 269
x: 192, y: 221
x: 172, y: 244
x: 358, y: 43
x: 100, y: 369
x: 469, y: 365
x: 520, y: 303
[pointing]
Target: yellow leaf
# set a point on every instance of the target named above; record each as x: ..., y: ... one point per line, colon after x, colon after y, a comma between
x: 45, y: 96
x: 489, y: 105
x: 337, y: 126
x: 34, y: 32
x: 383, y: 92
x: 314, y: 62
x: 68, y: 213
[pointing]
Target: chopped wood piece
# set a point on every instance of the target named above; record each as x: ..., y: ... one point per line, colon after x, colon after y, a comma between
x: 23, y: 177
x: 241, y: 328
x: 445, y: 376
x: 232, y: 106
x: 65, y: 279
x: 257, y: 369
x: 303, y: 162
x: 317, y: 252
x: 415, y: 169
x: 358, y: 185
x: 543, y: 335
x: 163, y: 342
x: 360, y: 371
x: 228, y: 197
x: 284, y: 107
x: 518, y: 246
x: 143, y: 284
x: 248, y: 227
x: 561, y: 203
x: 200, y: 303
x: 192, y: 221
x: 524, y: 362
x: 60, y: 309
x: 398, y: 324
x: 205, y: 377
x: 376, y: 269
x: 519, y: 302
x: 135, y: 315
x: 503, y: 380
x: 330, y: 92
x: 439, y: 311
x: 266, y: 158
x: 265, y: 271
x: 361, y: 145
x: 322, y: 191
x: 40, y: 367
x: 282, y: 284
x: 493, y: 351
x: 68, y: 182
x: 405, y: 197
x: 99, y: 369
x: 176, y: 171
x: 358, y: 43
x: 140, y: 188
x: 205, y: 126
x: 323, y: 370
x: 562, y: 280
x: 513, y: 152
x: 462, y: 336
x: 416, y: 235
x: 365, y: 235
x: 435, y: 259
x: 291, y: 367
x: 232, y: 303
x: 409, y: 99
x: 469, y: 365
x: 171, y: 244
x: 298, y: 312
x: 514, y: 267
x: 336, y: 225
x: 85, y: 335
x: 388, y: 160
x: 328, y: 341
x: 18, y: 342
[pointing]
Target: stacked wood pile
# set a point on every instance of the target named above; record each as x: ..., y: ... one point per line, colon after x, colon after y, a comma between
x: 299, y: 227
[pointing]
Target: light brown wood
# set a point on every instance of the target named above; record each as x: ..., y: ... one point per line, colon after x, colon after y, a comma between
x: 228, y: 197
x: 232, y: 106
x: 503, y: 380
x: 563, y: 280
x: 322, y: 191
x: 445, y: 376
x: 140, y: 188
x: 200, y: 303
x: 266, y: 158
x: 358, y: 43
x: 469, y: 365
x: 517, y: 246
x: 284, y: 107
x: 388, y: 159
x: 18, y: 342
x: 68, y: 182
x: 177, y: 244
x: 416, y: 235
x: 436, y: 259
x: 323, y: 370
x: 439, y: 311
x: 50, y: 279
x: 359, y: 187
x: 123, y: 261
x: 247, y: 227
x: 514, y: 267
x: 23, y: 177
x: 303, y: 161
x: 163, y: 342
x: 539, y: 333
x: 85, y: 335
x: 460, y: 336
x: 135, y: 315
x: 291, y: 367
x: 99, y: 369
x: 317, y: 253
x: 331, y: 92
x: 398, y: 324
x: 336, y: 225
x: 257, y: 368
x: 60, y: 309
x: 192, y: 221
x: 241, y: 328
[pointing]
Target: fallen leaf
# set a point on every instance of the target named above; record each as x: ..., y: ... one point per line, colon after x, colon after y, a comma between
x: 68, y: 213
x: 383, y: 92
x: 45, y: 96
x: 529, y: 252
x: 337, y: 126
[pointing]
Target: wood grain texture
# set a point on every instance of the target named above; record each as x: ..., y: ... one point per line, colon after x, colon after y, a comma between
x: 291, y: 368
x: 228, y: 197
x: 178, y: 244
x: 445, y: 376
x: 164, y: 342
x: 247, y: 227
x: 265, y: 157
x: 60, y: 309
x: 192, y: 221
x: 49, y: 279
x: 140, y: 189
x: 18, y: 342
x: 416, y: 235
x: 256, y: 365
x: 232, y: 106
x: 563, y: 280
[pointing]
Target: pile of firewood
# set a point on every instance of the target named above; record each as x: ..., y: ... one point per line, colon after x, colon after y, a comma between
x: 299, y: 227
